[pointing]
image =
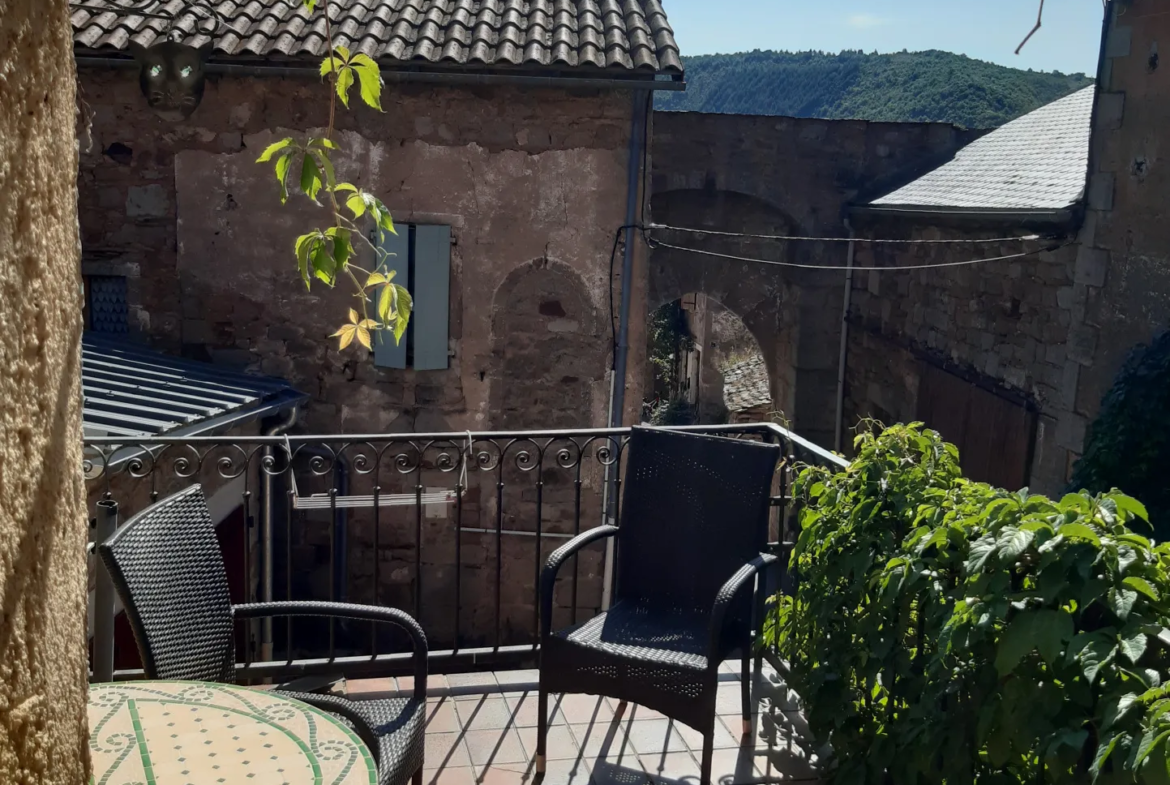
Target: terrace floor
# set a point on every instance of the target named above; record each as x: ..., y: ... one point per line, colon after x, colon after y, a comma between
x: 481, y: 728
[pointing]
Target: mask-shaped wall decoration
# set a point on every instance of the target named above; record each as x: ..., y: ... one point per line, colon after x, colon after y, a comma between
x: 172, y: 77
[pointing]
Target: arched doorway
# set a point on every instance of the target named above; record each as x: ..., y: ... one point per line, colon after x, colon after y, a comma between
x: 704, y: 366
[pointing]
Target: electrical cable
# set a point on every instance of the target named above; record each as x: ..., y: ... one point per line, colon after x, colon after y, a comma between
x: 954, y: 241
x: 653, y: 243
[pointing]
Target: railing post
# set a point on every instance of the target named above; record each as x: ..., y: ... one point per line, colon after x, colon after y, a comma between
x: 103, y: 597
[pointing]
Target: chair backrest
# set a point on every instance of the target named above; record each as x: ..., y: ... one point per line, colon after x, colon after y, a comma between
x: 694, y: 510
x: 168, y: 570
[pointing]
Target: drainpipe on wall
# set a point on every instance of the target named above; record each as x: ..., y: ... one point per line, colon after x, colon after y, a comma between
x: 266, y: 549
x: 844, y: 339
x: 617, y: 397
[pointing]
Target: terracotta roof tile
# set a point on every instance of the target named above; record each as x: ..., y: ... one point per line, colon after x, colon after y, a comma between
x: 614, y: 34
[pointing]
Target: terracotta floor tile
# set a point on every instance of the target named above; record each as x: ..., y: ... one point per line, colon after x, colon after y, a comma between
x: 734, y: 766
x: 505, y: 774
x: 693, y: 739
x: 487, y: 713
x: 652, y: 737
x: 672, y: 767
x: 441, y: 716
x: 606, y: 743
x: 461, y: 776
x: 446, y: 750
x: 524, y: 711
x: 561, y: 744
x: 490, y: 747
x: 363, y: 688
x: 567, y: 772
x: 584, y: 708
x: 461, y: 680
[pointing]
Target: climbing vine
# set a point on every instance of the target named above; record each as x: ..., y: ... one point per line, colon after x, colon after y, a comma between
x: 945, y: 631
x: 1129, y: 444
x: 328, y: 254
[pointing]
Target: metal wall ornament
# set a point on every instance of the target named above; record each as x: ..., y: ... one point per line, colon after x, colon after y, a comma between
x: 171, y: 73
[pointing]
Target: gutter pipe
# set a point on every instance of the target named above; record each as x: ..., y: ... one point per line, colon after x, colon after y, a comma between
x: 637, y: 84
x: 617, y: 400
x: 844, y: 339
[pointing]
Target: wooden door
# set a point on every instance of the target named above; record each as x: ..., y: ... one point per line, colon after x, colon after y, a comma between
x: 994, y: 434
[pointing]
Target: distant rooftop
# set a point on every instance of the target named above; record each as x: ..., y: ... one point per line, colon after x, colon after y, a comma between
x: 745, y: 385
x: 129, y: 390
x: 547, y: 35
x: 1037, y: 162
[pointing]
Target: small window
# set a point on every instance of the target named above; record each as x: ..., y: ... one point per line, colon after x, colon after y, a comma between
x: 104, y: 304
x: 420, y: 255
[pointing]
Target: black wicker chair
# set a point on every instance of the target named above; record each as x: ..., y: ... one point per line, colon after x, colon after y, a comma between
x: 168, y: 571
x: 694, y: 521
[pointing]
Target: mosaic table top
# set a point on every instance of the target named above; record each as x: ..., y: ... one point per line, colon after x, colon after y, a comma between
x: 164, y: 732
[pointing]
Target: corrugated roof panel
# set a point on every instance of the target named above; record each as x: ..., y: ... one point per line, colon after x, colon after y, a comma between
x: 1036, y: 162
x: 132, y: 391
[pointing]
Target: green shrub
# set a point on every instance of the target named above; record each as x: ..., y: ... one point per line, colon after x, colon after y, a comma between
x: 1129, y: 443
x: 945, y: 631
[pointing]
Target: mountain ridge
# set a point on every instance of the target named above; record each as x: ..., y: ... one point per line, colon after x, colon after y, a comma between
x: 928, y: 86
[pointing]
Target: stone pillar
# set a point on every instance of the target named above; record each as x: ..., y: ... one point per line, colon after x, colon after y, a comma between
x: 42, y: 519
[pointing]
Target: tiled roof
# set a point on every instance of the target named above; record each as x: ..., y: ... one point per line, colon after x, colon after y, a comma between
x: 1036, y: 162
x: 621, y: 35
x: 745, y: 385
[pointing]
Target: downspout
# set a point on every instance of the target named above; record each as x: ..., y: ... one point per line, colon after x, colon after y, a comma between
x: 844, y: 339
x: 617, y: 399
x: 266, y: 517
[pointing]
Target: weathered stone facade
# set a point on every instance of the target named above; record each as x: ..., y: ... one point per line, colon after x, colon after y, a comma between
x: 532, y: 183
x: 1004, y: 323
x: 777, y: 176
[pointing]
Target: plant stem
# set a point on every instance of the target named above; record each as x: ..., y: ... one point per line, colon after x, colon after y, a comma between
x: 332, y: 71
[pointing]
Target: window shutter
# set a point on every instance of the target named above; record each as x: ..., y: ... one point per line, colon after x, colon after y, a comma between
x: 396, y: 257
x: 432, y: 291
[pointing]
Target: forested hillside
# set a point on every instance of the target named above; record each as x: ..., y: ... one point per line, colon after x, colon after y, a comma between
x: 916, y: 86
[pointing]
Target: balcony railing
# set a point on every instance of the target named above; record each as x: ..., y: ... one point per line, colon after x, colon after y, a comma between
x: 453, y: 528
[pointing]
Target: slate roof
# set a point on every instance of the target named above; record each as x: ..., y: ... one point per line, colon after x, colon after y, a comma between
x: 128, y: 390
x: 745, y: 385
x: 1036, y: 162
x: 617, y: 35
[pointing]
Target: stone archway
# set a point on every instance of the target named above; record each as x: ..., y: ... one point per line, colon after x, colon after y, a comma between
x: 549, y: 349
x: 794, y: 314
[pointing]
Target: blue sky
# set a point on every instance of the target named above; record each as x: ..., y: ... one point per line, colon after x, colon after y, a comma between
x: 985, y: 29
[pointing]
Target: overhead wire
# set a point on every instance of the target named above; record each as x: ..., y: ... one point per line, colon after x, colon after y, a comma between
x: 874, y: 240
x: 655, y: 243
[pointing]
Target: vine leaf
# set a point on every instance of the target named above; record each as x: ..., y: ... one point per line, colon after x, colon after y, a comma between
x: 357, y: 328
x: 310, y: 178
x: 274, y: 148
x: 369, y: 80
x: 283, y: 165
x: 1142, y: 586
x: 1133, y: 646
x: 1121, y: 602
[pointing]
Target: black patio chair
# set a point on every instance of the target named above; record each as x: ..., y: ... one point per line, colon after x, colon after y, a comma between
x: 694, y: 523
x: 168, y: 570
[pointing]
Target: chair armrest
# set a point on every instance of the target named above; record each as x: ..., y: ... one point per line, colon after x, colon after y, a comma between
x: 727, y: 593
x: 548, y: 577
x: 340, y: 610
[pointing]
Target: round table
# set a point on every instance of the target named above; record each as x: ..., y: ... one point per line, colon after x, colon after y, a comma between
x: 193, y: 732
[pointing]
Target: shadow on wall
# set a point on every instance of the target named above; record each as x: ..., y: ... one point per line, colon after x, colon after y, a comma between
x: 548, y: 349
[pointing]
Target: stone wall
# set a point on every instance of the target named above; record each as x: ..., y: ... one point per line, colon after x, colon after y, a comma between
x: 1122, y: 280
x: 1004, y: 324
x: 777, y: 176
x: 43, y: 728
x: 533, y: 184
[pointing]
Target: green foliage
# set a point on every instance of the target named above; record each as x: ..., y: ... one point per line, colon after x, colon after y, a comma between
x: 670, y: 336
x: 928, y: 86
x: 328, y: 254
x: 945, y: 631
x: 674, y: 412
x: 1129, y: 444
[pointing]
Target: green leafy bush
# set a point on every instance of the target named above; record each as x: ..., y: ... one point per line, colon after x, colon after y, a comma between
x: 945, y: 631
x: 1129, y: 443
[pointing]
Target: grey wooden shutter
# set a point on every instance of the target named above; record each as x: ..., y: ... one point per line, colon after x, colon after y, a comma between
x: 388, y: 354
x: 432, y: 291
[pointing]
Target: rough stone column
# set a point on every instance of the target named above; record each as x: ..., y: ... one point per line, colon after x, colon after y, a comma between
x: 42, y: 520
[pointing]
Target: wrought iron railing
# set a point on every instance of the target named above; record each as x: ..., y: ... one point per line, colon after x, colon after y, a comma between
x: 453, y: 528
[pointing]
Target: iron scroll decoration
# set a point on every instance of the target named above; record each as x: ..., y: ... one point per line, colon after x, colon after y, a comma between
x: 170, y: 73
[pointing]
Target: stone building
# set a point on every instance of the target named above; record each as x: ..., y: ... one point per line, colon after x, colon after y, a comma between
x: 979, y: 351
x: 507, y: 156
